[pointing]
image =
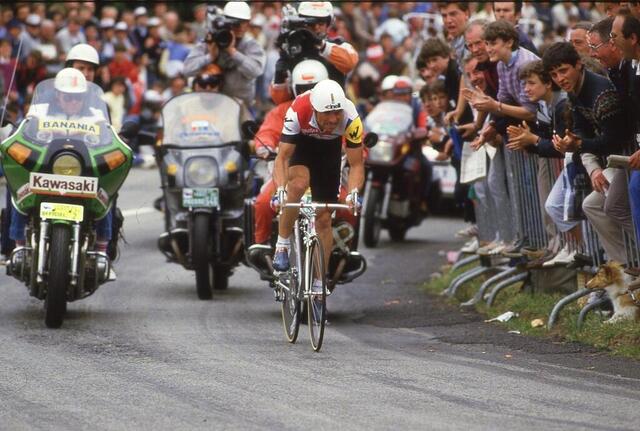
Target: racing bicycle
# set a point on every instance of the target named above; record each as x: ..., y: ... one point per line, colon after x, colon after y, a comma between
x: 295, y: 286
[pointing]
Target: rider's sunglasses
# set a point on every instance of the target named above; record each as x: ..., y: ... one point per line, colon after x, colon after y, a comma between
x: 72, y: 97
x: 209, y: 81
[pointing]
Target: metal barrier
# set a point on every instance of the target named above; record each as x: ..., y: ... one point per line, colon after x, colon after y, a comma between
x: 529, y: 180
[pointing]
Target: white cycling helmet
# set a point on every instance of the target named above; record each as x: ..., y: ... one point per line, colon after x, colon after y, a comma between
x: 306, y: 74
x: 238, y: 10
x: 327, y: 95
x: 84, y: 52
x: 70, y: 80
x: 316, y: 9
x: 388, y: 82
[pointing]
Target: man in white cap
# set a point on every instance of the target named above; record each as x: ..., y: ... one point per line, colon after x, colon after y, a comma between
x: 107, y: 27
x: 140, y: 31
x: 242, y: 60
x: 122, y: 38
x: 31, y: 37
x: 153, y: 46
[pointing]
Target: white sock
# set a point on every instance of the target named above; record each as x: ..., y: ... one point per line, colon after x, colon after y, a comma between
x: 282, y: 242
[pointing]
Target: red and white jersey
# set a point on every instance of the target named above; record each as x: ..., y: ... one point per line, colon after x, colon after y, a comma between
x: 301, y: 120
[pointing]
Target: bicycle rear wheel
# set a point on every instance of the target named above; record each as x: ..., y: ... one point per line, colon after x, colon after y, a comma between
x: 316, y: 300
x: 291, y: 307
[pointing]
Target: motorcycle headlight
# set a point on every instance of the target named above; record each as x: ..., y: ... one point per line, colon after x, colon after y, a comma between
x: 382, y: 152
x: 67, y: 164
x: 201, y: 172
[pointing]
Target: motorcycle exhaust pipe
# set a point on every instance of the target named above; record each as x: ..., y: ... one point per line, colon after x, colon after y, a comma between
x: 386, y: 199
x: 182, y: 259
x: 75, y: 254
x: 42, y: 242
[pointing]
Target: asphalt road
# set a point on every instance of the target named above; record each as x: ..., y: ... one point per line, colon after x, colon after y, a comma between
x: 145, y: 353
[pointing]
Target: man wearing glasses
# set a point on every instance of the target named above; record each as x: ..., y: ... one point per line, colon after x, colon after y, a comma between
x: 625, y: 34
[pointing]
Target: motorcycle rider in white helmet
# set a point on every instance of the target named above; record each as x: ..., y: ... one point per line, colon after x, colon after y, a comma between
x: 310, y: 155
x: 339, y: 57
x: 71, y: 90
x: 239, y: 56
x: 84, y: 58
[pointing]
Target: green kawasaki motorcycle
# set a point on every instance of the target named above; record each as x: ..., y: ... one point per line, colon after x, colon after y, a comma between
x: 63, y: 170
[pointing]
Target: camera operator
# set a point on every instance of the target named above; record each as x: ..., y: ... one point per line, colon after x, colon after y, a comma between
x: 240, y: 57
x: 304, y: 37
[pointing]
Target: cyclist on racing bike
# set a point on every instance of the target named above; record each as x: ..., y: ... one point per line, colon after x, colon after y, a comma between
x: 310, y: 154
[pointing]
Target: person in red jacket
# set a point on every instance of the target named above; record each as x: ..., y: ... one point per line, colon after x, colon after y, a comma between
x: 122, y: 66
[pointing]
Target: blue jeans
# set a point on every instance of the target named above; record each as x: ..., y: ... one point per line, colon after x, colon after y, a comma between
x: 19, y: 222
x: 634, y: 199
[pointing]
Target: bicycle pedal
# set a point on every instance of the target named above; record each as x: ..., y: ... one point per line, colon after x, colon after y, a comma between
x: 277, y: 295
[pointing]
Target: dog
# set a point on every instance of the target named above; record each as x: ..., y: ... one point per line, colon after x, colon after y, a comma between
x: 615, y: 281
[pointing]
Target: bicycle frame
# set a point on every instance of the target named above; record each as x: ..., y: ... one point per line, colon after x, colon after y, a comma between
x: 304, y: 232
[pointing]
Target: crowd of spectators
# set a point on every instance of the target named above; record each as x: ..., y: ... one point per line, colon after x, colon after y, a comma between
x: 557, y: 79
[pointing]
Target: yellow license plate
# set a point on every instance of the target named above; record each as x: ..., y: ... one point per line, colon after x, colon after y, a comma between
x: 50, y: 210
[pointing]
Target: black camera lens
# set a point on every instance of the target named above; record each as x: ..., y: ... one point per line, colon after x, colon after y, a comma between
x: 223, y: 38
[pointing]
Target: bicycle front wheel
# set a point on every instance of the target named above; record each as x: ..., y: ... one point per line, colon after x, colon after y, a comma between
x: 291, y: 299
x: 316, y: 287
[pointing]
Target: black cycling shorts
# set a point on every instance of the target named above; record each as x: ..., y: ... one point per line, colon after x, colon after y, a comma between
x: 322, y: 158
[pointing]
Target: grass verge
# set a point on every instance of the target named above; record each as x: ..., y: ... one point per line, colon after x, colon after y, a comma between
x: 622, y: 339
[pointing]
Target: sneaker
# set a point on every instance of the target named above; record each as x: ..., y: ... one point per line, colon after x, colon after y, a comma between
x: 484, y: 251
x: 514, y: 249
x: 534, y: 253
x: 281, y: 259
x: 469, y: 232
x: 471, y: 246
x: 493, y: 248
x: 112, y: 274
x: 564, y: 257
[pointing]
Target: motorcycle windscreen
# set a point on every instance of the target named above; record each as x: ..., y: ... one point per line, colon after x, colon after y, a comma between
x: 194, y: 119
x: 389, y: 118
x: 80, y: 116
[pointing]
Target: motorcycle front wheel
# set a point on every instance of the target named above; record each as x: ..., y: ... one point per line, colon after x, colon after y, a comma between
x: 200, y: 257
x: 55, y: 303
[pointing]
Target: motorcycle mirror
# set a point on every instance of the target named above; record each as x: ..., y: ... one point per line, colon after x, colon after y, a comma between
x: 245, y: 149
x: 129, y: 130
x: 370, y: 140
x: 249, y: 129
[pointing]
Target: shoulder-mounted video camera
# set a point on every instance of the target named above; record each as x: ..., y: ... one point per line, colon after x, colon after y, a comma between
x: 219, y: 28
x: 295, y: 38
